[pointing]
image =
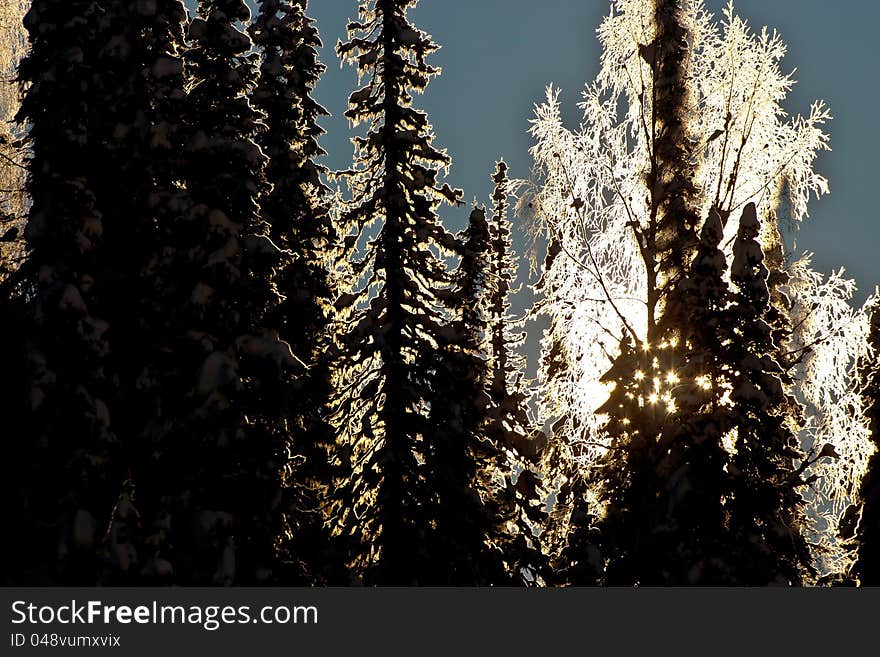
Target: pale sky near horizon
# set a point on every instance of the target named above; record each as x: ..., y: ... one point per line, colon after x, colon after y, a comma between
x: 499, y: 55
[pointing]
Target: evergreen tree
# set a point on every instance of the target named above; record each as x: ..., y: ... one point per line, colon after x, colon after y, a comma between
x: 728, y: 508
x: 503, y: 272
x: 465, y: 468
x: 126, y: 148
x: 712, y: 496
x: 696, y: 489
x: 75, y: 471
x: 766, y: 509
x: 487, y: 494
x: 866, y: 569
x: 503, y: 360
x: 510, y: 426
x: 395, y: 319
x: 665, y: 521
x: 137, y: 136
x: 299, y: 223
x: 221, y: 373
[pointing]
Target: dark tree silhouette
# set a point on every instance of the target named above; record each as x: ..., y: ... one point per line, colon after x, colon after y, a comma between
x: 696, y: 487
x: 464, y: 466
x: 690, y: 510
x: 296, y: 210
x: 642, y: 533
x: 395, y: 320
x: 509, y: 424
x: 74, y: 470
x: 766, y: 509
x: 487, y: 498
x: 136, y: 135
x: 866, y: 569
x: 502, y: 273
x: 222, y: 373
x: 666, y: 522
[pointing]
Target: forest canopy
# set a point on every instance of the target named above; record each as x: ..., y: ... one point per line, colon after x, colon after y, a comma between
x: 227, y: 364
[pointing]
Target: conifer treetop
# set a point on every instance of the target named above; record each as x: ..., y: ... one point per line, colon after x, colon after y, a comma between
x: 395, y: 319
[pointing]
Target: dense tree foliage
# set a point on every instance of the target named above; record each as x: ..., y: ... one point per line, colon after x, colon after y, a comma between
x: 634, y: 366
x: 220, y: 439
x: 510, y: 425
x: 465, y: 467
x: 396, y: 319
x: 74, y: 466
x: 218, y: 370
x: 296, y: 210
x: 136, y: 131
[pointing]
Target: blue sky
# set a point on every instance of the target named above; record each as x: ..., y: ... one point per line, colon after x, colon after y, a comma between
x: 498, y: 56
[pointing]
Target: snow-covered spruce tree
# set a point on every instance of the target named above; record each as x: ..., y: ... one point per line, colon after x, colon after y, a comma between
x: 866, y: 569
x: 465, y: 467
x: 724, y: 506
x: 590, y: 193
x: 395, y: 320
x: 766, y: 506
x: 488, y: 494
x: 509, y: 424
x: 136, y: 138
x: 505, y: 363
x: 70, y: 479
x: 223, y: 376
x: 296, y: 210
x: 502, y: 274
x: 715, y: 498
x: 665, y: 519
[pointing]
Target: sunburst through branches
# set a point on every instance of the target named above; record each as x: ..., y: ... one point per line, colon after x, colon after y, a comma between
x: 594, y: 202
